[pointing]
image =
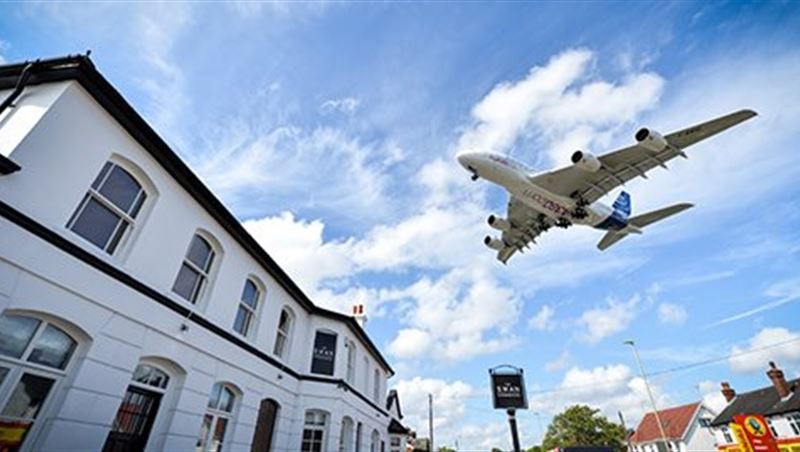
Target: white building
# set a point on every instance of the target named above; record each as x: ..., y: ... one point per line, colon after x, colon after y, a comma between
x: 685, y: 428
x: 779, y: 403
x: 135, y: 310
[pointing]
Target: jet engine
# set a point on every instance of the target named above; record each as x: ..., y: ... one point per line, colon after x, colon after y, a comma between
x: 651, y: 140
x: 494, y: 243
x: 501, y: 224
x: 586, y: 161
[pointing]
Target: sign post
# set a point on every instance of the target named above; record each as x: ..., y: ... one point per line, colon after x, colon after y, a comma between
x: 508, y: 393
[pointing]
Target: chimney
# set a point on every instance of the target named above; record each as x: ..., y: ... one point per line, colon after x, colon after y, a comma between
x: 360, y: 314
x: 778, y: 380
x: 728, y: 392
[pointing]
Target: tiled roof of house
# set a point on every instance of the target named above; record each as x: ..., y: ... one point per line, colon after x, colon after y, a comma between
x: 761, y: 401
x: 675, y: 421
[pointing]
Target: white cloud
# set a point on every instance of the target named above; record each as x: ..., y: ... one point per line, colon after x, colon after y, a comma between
x: 605, y: 321
x: 559, y: 363
x: 346, y: 105
x: 787, y: 291
x: 508, y: 109
x: 410, y: 343
x: 769, y: 344
x: 712, y: 395
x: 611, y: 388
x: 671, y: 314
x: 543, y: 319
x: 449, y: 400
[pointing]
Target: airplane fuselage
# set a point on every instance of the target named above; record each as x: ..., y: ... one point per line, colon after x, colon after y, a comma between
x: 515, y: 178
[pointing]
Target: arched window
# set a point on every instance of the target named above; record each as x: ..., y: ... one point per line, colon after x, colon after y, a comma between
x: 219, y: 415
x: 137, y: 412
x: 284, y: 333
x: 33, y: 356
x: 346, y: 436
x: 351, y: 362
x: 375, y: 440
x: 248, y: 308
x: 315, y: 431
x: 195, y: 271
x: 376, y: 386
x: 359, y: 428
x: 109, y: 209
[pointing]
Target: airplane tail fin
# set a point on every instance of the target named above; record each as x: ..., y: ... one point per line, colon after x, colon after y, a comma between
x: 623, y: 204
x: 638, y: 222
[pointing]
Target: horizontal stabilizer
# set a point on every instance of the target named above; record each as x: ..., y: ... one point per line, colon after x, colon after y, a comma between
x: 639, y: 222
x: 611, y: 238
x: 648, y: 218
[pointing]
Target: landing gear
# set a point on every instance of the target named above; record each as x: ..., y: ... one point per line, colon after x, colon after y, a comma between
x: 563, y: 223
x: 474, y: 177
x: 580, y: 212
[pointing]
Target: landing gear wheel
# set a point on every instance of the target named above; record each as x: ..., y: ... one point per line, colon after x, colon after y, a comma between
x: 579, y: 213
x: 563, y: 223
x: 474, y: 177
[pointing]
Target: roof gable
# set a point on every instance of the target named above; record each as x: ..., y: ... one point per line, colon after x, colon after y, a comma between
x: 675, y: 421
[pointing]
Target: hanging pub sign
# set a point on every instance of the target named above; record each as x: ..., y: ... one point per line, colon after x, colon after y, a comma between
x: 508, y: 388
x: 324, y: 353
x: 757, y: 433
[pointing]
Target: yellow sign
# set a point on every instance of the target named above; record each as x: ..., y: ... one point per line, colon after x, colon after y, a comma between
x: 741, y: 437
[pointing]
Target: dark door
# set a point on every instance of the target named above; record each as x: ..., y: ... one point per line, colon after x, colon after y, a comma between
x: 134, y: 420
x: 265, y: 426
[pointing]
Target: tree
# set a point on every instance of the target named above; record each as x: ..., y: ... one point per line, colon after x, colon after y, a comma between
x: 580, y: 425
x: 535, y: 449
x: 445, y: 449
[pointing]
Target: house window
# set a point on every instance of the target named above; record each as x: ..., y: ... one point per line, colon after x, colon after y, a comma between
x: 316, y: 423
x: 395, y: 444
x: 351, y: 362
x: 284, y: 333
x: 366, y: 376
x: 376, y: 386
x: 109, y: 209
x: 359, y: 428
x: 346, y: 436
x: 248, y: 306
x: 705, y: 422
x: 137, y: 412
x: 374, y: 444
x: 218, y: 415
x: 727, y: 435
x: 772, y: 428
x: 794, y: 423
x: 33, y: 356
x: 194, y: 273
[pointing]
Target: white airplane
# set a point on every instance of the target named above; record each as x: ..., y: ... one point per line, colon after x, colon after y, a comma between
x: 569, y: 195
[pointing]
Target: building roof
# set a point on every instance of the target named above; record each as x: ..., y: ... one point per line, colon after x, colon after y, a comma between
x: 81, y: 69
x: 397, y: 428
x: 675, y: 421
x: 763, y: 401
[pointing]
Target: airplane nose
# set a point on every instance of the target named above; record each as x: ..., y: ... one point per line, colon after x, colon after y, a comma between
x: 464, y: 159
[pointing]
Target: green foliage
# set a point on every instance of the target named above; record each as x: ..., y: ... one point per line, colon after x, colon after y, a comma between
x: 445, y: 449
x: 580, y: 425
x: 496, y: 449
x: 534, y: 449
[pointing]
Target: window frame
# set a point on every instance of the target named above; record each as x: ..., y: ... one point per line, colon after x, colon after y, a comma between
x: 251, y: 325
x: 146, y: 190
x: 350, y: 375
x: 376, y: 382
x: 287, y: 342
x: 315, y: 427
x: 794, y: 422
x: 217, y: 414
x: 17, y: 368
x: 202, y: 290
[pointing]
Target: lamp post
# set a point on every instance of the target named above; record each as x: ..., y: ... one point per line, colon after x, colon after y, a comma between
x: 649, y: 394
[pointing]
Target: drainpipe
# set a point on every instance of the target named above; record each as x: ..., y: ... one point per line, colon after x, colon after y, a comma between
x: 6, y: 165
x: 20, y: 86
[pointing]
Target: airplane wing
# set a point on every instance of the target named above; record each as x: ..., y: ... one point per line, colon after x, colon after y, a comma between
x: 620, y: 166
x: 526, y: 225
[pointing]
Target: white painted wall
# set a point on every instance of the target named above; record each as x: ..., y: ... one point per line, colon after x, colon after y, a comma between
x: 61, y: 138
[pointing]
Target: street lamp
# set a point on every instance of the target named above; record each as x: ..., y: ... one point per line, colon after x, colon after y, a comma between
x: 649, y: 394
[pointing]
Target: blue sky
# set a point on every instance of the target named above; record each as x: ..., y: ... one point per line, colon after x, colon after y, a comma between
x: 330, y: 130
